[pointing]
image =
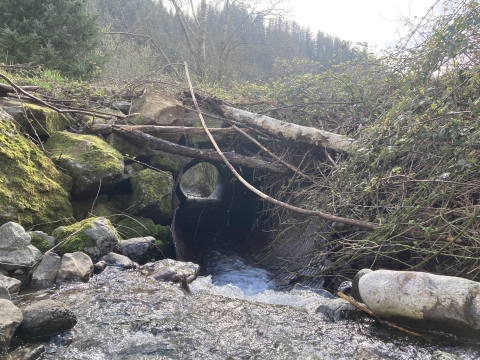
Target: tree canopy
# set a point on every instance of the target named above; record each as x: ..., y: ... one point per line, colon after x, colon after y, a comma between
x: 59, y: 34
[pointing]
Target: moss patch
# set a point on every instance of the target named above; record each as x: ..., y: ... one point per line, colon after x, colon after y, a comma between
x: 152, y: 195
x: 167, y: 162
x: 136, y: 227
x: 77, y: 239
x: 89, y: 150
x: 32, y: 190
x: 44, y: 120
x: 40, y: 243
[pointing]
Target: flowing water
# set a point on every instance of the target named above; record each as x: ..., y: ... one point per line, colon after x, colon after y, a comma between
x: 234, y: 313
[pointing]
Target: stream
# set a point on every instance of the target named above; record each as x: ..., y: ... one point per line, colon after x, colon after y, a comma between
x: 233, y: 312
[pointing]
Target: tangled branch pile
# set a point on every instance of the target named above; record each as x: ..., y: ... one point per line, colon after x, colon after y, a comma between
x: 415, y: 167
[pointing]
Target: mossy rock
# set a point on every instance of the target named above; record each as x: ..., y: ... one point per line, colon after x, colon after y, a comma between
x: 164, y: 241
x: 167, y: 162
x: 89, y: 160
x: 152, y: 195
x: 128, y: 148
x: 93, y: 236
x: 136, y: 227
x: 41, y: 241
x: 33, y: 118
x: 101, y: 206
x: 32, y: 190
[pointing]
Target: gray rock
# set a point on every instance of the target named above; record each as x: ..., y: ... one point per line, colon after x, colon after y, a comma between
x: 140, y: 249
x: 11, y: 284
x: 75, y: 266
x: 123, y: 106
x: 44, y: 319
x: 354, y: 292
x: 4, y: 294
x: 3, y: 272
x: 423, y: 300
x: 105, y: 237
x: 34, y: 354
x: 15, y: 248
x: 117, y: 260
x: 10, y: 318
x: 166, y: 270
x: 339, y: 309
x: 99, y: 266
x: 441, y: 355
x: 45, y: 274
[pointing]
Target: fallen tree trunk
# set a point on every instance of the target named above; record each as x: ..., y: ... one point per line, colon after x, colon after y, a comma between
x: 160, y: 144
x: 153, y: 129
x: 10, y: 89
x: 284, y: 130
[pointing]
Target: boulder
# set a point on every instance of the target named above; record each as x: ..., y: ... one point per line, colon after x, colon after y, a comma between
x: 10, y: 318
x: 157, y: 109
x: 152, y: 195
x: 41, y: 241
x: 4, y: 294
x: 117, y: 260
x: 339, y: 309
x: 95, y: 237
x: 11, y: 284
x: 90, y: 161
x: 32, y: 190
x: 167, y: 162
x: 34, y: 118
x: 128, y: 148
x: 74, y: 267
x: 191, y: 119
x: 46, y: 272
x: 15, y: 248
x: 44, y: 319
x: 171, y: 270
x: 140, y: 249
x: 423, y: 300
x: 99, y: 266
x: 355, y: 292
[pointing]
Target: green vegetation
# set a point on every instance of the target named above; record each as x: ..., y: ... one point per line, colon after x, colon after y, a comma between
x: 59, y: 34
x: 31, y: 188
x: 40, y: 242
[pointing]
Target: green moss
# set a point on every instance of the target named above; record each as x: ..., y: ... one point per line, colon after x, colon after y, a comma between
x: 136, y: 227
x: 128, y: 148
x: 164, y: 241
x: 152, y: 195
x: 45, y: 121
x: 39, y: 242
x: 85, y: 149
x: 32, y: 190
x: 167, y: 162
x: 77, y: 239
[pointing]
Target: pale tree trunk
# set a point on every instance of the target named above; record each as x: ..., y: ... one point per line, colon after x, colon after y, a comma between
x: 285, y: 130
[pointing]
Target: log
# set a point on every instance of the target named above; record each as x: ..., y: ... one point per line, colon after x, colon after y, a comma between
x: 153, y: 129
x: 167, y: 146
x: 285, y: 130
x: 10, y: 89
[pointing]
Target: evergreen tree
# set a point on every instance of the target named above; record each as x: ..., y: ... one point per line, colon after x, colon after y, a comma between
x: 59, y: 34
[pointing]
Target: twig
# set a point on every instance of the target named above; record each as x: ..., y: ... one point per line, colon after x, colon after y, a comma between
x: 353, y: 222
x: 309, y: 104
x: 371, y: 313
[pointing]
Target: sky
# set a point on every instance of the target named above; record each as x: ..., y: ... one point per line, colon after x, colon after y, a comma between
x: 371, y: 21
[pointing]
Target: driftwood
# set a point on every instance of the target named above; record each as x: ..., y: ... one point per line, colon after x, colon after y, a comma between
x: 284, y: 130
x: 153, y: 129
x: 167, y: 146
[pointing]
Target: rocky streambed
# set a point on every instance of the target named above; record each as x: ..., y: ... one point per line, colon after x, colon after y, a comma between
x: 148, y: 313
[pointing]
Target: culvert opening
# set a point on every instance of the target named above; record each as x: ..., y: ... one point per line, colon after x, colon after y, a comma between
x: 200, y: 181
